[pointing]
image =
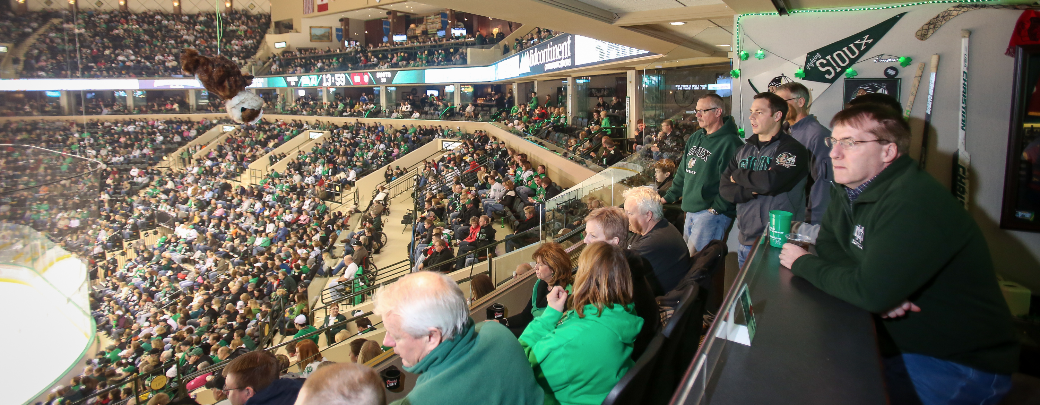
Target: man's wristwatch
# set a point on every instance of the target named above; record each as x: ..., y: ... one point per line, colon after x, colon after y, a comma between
x: 712, y: 211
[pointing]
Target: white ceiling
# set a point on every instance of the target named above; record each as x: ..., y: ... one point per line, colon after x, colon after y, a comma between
x: 379, y: 12
x: 628, y: 6
x: 704, y: 31
x: 412, y: 7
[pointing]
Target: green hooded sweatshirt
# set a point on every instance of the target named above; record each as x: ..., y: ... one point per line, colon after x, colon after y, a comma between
x: 697, y: 175
x: 906, y: 238
x: 579, y: 360
x: 483, y: 358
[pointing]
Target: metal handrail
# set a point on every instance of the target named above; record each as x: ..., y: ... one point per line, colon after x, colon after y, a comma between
x: 397, y: 270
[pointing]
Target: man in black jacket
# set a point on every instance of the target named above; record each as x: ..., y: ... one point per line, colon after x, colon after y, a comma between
x: 768, y: 173
x: 519, y: 238
x: 441, y: 254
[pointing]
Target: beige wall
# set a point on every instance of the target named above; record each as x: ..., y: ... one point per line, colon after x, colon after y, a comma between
x: 1016, y: 254
x: 301, y: 141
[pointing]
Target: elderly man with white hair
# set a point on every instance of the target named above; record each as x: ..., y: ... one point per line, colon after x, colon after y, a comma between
x: 427, y: 323
x: 655, y: 239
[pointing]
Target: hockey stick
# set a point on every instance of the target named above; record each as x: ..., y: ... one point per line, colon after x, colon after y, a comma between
x: 913, y: 91
x: 961, y: 159
x: 933, y: 25
x: 922, y: 164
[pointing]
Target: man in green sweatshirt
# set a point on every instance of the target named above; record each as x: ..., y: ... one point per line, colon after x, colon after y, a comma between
x: 896, y: 243
x: 427, y: 323
x: 696, y: 182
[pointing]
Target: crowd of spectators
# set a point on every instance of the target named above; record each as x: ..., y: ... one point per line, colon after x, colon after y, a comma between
x: 30, y: 108
x: 120, y: 44
x: 464, y: 193
x: 140, y: 141
x: 358, y: 58
x: 341, y: 106
x: 533, y: 38
x: 15, y: 28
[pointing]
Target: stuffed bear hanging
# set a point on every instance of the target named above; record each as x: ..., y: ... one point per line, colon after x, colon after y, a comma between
x: 224, y: 78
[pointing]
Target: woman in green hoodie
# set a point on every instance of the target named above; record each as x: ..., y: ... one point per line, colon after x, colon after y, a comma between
x: 579, y: 356
x: 553, y: 267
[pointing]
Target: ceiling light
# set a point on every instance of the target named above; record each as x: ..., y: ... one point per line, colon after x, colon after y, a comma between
x: 723, y: 45
x: 678, y: 23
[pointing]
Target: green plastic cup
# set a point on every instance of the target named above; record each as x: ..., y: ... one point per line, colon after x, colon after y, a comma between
x: 779, y: 227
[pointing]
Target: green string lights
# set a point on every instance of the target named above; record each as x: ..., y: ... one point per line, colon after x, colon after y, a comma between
x: 735, y: 73
x: 760, y: 54
x: 744, y: 55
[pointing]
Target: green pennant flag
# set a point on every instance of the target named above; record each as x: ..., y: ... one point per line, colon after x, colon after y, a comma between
x: 828, y: 63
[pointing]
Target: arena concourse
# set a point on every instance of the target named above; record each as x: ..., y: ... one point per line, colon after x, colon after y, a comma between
x: 524, y: 202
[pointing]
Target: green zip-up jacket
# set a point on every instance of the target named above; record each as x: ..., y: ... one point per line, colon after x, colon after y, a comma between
x: 482, y: 365
x: 697, y: 175
x: 906, y: 238
x: 579, y: 360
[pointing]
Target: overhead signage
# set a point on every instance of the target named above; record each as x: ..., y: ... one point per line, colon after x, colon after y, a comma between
x: 555, y: 54
x: 828, y: 63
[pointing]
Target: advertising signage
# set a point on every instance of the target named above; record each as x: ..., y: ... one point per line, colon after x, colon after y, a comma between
x: 562, y: 52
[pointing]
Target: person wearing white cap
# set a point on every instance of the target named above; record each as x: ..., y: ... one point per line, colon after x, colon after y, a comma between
x: 305, y: 328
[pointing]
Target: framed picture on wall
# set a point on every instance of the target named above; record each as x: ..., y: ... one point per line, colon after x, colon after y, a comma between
x: 1020, y: 208
x: 321, y: 34
x: 858, y: 87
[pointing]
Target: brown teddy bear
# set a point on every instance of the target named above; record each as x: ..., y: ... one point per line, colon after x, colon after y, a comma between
x: 224, y: 78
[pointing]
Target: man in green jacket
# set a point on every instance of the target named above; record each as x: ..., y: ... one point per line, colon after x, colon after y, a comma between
x: 427, y: 323
x: 305, y: 328
x: 896, y: 243
x: 696, y: 182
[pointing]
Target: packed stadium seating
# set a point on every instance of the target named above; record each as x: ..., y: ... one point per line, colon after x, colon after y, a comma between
x: 117, y: 44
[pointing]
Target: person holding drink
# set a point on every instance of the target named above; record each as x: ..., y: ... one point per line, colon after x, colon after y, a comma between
x: 895, y: 242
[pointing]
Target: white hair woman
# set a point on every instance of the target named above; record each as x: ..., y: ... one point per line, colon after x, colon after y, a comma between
x: 427, y: 323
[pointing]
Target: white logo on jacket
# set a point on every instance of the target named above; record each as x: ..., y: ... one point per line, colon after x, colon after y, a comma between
x: 857, y: 236
x: 785, y: 159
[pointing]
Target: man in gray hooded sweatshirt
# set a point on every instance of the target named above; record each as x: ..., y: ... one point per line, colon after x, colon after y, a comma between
x: 808, y: 130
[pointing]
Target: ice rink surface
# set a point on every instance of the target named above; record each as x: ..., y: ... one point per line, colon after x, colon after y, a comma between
x: 39, y: 342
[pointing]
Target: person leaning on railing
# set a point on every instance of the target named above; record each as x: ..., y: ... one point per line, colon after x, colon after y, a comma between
x: 895, y: 243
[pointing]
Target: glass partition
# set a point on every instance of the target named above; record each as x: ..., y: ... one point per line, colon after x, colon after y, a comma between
x: 673, y: 93
x: 48, y: 209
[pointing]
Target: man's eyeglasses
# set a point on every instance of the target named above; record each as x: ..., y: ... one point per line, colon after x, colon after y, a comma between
x: 849, y: 143
x: 705, y: 111
x: 792, y: 98
x: 226, y: 390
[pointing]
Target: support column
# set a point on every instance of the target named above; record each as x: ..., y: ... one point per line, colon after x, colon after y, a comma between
x: 66, y: 103
x: 325, y: 94
x: 570, y: 100
x: 130, y: 101
x: 456, y: 96
x: 516, y: 94
x: 382, y: 98
x: 634, y: 100
x: 192, y: 100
